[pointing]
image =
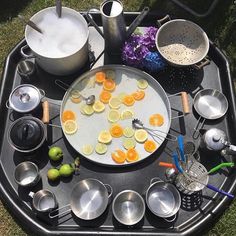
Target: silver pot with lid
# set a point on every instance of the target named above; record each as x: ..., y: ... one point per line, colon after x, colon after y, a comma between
x: 26, y: 134
x: 25, y: 98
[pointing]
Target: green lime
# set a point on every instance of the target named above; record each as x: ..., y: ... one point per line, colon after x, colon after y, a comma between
x: 55, y: 153
x: 66, y: 170
x: 53, y: 174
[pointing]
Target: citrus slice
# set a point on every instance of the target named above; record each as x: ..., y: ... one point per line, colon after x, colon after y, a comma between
x: 127, y: 114
x: 88, y: 109
x: 87, y: 149
x: 128, y: 132
x: 114, y: 103
x: 121, y: 96
x: 156, y: 120
x: 132, y: 155
x: 75, y: 96
x: 118, y: 156
x: 141, y: 135
x: 101, y: 148
x: 129, y: 143
x: 138, y: 95
x: 98, y: 106
x: 110, y: 74
x: 70, y: 126
x: 142, y: 83
x: 128, y: 100
x: 104, y: 137
x: 109, y: 85
x: 150, y: 146
x: 100, y: 77
x: 113, y: 115
x: 116, y: 131
x: 82, y: 109
x: 68, y: 115
x: 105, y: 96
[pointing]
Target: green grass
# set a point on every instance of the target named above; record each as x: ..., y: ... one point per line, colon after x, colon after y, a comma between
x: 219, y: 26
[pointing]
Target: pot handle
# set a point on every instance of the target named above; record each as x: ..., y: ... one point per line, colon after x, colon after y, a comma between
x: 52, y: 215
x: 171, y: 218
x: 109, y: 190
x: 205, y: 61
x: 42, y: 92
x: 163, y: 20
x: 24, y: 54
x: 91, y: 21
x: 155, y: 180
x: 8, y: 104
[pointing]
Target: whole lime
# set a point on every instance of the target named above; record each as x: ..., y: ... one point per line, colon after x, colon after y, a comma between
x: 53, y: 174
x: 55, y: 153
x: 66, y: 170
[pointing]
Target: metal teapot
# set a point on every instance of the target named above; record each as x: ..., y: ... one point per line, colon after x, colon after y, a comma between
x: 113, y: 22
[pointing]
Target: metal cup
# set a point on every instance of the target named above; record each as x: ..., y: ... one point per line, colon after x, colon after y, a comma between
x: 43, y: 201
x: 27, y: 174
x: 26, y: 69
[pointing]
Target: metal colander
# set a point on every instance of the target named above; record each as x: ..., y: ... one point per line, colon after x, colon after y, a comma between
x: 182, y: 42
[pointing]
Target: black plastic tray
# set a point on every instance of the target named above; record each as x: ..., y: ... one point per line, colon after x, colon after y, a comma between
x: 189, y: 221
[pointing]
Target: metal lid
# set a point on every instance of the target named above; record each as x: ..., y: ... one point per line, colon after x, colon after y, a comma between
x: 24, y: 98
x: 214, y: 139
x: 26, y: 134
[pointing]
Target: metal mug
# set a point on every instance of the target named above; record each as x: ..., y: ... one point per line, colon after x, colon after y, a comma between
x: 27, y: 174
x: 26, y: 69
x: 43, y: 201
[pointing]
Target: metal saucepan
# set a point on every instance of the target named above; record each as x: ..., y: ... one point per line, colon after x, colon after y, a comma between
x: 210, y: 104
x: 163, y: 199
x: 182, y: 42
x: 89, y: 199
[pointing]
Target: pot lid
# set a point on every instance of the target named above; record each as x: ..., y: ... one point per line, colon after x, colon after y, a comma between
x: 24, y: 98
x: 27, y: 133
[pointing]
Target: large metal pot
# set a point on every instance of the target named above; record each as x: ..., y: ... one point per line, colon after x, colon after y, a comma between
x: 53, y: 48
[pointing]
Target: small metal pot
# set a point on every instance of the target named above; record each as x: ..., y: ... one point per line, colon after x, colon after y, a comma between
x: 25, y: 98
x: 26, y: 134
x: 163, y: 199
x: 128, y: 207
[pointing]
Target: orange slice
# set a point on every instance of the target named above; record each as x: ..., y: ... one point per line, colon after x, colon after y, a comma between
x: 156, y: 120
x: 105, y: 96
x: 109, y: 85
x: 116, y: 131
x: 128, y: 100
x: 100, y: 77
x: 68, y: 115
x: 118, y: 156
x: 150, y: 146
x: 138, y: 95
x: 132, y: 155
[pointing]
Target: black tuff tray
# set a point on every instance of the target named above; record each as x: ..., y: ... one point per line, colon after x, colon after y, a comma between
x: 191, y: 219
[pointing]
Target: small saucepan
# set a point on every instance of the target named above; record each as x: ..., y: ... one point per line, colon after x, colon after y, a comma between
x: 89, y: 200
x: 163, y: 199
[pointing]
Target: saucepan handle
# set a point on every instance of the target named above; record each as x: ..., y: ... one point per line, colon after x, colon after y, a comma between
x: 24, y: 54
x: 202, y: 63
x: 52, y: 215
x: 163, y: 20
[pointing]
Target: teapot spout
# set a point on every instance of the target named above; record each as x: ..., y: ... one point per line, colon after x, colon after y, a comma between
x: 137, y: 21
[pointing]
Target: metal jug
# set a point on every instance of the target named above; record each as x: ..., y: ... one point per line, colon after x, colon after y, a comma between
x: 113, y: 22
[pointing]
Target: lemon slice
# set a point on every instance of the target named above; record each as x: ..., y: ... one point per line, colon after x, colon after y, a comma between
x: 113, y: 115
x: 127, y: 114
x: 101, y: 148
x: 141, y: 135
x: 87, y: 149
x: 121, y: 96
x: 75, y: 96
x: 129, y: 143
x: 114, y: 103
x: 98, y: 106
x: 88, y: 109
x: 104, y: 137
x: 110, y: 74
x: 70, y: 126
x: 128, y: 132
x: 142, y: 83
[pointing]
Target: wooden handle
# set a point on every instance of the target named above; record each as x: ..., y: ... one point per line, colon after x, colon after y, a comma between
x: 45, y: 117
x: 185, y: 104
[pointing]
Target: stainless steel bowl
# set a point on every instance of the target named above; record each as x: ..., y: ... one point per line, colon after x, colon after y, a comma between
x: 128, y: 207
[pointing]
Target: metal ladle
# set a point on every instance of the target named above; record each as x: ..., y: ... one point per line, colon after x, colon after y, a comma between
x: 30, y: 23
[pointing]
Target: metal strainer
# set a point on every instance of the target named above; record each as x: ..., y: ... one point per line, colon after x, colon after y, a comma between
x: 182, y: 42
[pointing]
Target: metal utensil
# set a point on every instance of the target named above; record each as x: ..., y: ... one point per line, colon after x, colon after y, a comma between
x: 58, y: 8
x: 128, y: 207
x: 138, y: 124
x: 30, y: 23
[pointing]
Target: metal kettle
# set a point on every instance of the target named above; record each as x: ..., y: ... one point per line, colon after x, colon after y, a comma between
x: 113, y: 22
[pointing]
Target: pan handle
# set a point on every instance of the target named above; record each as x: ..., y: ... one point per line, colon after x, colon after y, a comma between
x: 52, y: 215
x: 163, y: 20
x: 198, y: 127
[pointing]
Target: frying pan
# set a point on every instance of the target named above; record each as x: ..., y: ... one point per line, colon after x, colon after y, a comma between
x: 210, y: 104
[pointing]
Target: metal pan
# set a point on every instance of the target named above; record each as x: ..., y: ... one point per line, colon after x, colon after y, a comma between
x: 155, y: 101
x: 210, y: 104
